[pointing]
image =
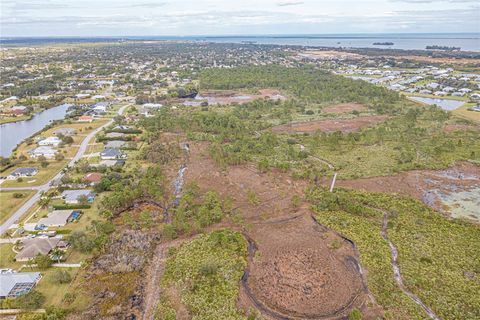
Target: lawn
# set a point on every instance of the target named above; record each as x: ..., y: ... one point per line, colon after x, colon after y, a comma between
x: 7, y: 257
x: 53, y: 291
x: 43, y: 175
x: 9, y: 203
x: 465, y: 113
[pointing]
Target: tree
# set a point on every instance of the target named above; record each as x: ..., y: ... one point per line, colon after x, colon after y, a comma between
x: 31, y: 301
x: 81, y: 241
x: 43, y: 261
x: 61, y: 277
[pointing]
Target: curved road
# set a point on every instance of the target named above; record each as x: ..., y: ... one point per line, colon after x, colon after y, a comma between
x: 43, y: 188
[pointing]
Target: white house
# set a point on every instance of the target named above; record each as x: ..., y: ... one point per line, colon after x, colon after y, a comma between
x: 46, y: 151
x: 50, y: 141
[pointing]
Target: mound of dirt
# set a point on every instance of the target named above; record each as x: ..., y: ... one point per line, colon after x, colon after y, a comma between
x: 344, y: 108
x: 304, y: 271
x: 300, y: 270
x: 344, y: 125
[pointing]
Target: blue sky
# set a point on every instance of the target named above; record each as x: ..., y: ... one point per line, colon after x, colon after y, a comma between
x: 216, y: 17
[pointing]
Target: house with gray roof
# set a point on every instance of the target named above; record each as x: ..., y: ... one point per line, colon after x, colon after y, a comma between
x: 34, y: 247
x: 72, y: 196
x: 15, y: 284
x: 65, y: 131
x: 57, y: 218
x: 111, y: 154
x: 116, y: 144
x: 22, y: 173
x: 46, y: 151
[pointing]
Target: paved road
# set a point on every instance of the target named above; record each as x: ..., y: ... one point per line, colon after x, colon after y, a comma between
x: 43, y: 188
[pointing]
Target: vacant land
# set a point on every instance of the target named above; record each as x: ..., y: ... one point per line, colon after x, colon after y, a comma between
x: 344, y: 108
x: 433, y: 187
x: 343, y: 125
x: 10, y: 201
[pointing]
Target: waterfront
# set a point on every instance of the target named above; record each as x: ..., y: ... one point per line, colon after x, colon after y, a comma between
x: 11, y: 134
x: 445, y: 104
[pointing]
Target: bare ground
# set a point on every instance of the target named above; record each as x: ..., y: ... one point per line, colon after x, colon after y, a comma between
x: 344, y: 125
x: 300, y: 270
x: 344, y: 108
x: 425, y: 185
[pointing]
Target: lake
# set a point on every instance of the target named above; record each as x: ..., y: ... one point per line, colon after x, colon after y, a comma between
x: 410, y: 41
x: 445, y: 104
x: 11, y: 134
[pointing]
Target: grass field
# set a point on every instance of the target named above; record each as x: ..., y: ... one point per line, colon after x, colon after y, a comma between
x: 8, y: 203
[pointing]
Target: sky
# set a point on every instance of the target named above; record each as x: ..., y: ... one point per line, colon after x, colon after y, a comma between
x: 234, y: 17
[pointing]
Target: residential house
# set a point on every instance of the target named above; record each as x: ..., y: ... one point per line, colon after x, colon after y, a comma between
x: 15, y: 284
x: 115, y: 144
x: 93, y: 177
x: 50, y: 141
x: 46, y: 151
x: 112, y: 163
x: 111, y: 135
x: 111, y: 154
x: 22, y: 173
x: 65, y: 131
x: 57, y: 218
x: 73, y: 196
x: 85, y: 119
x: 33, y: 247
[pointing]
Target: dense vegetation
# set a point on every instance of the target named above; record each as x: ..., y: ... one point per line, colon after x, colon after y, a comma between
x: 438, y: 257
x: 206, y: 272
x: 413, y: 137
x: 307, y: 84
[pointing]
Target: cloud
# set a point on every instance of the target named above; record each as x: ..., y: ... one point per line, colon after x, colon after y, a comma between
x: 432, y: 1
x: 289, y: 3
x: 150, y: 5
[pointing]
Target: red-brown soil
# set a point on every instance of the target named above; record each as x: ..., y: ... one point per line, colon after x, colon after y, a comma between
x: 344, y: 108
x: 300, y: 270
x: 422, y: 184
x: 344, y: 125
x: 460, y: 127
x: 303, y: 271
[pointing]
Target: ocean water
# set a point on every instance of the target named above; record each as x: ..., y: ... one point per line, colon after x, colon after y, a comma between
x: 419, y: 41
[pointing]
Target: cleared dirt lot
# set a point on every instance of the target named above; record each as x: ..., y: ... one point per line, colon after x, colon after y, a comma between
x: 344, y: 125
x: 298, y: 269
x: 344, y: 108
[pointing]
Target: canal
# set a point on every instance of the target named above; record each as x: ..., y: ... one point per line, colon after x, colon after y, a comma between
x: 11, y: 134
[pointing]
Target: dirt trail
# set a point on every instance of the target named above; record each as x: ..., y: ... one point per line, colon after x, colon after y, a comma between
x: 396, y: 269
x: 153, y: 274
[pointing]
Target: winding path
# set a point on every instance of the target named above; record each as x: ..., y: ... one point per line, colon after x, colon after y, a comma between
x: 43, y: 188
x: 396, y: 269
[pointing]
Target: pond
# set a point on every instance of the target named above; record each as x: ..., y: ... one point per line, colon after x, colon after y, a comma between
x: 445, y: 104
x: 11, y: 134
